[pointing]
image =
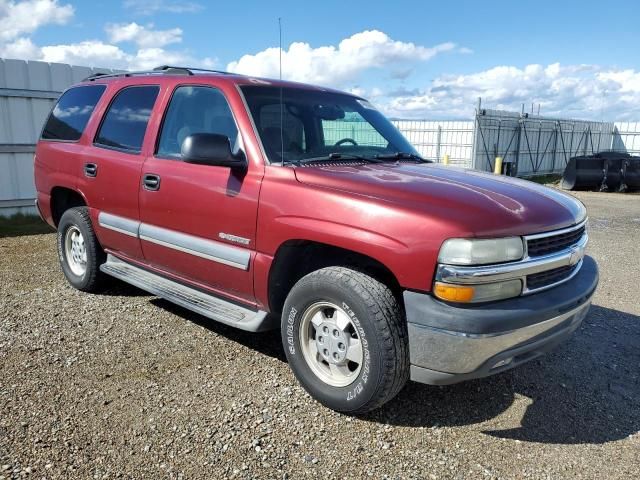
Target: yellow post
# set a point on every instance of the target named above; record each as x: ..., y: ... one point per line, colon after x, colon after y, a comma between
x: 445, y: 160
x: 497, y: 169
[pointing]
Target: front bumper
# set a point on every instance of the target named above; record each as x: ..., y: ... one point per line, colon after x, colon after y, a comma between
x: 451, y: 343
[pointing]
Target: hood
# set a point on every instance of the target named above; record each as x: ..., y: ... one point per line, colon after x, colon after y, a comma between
x: 475, y: 202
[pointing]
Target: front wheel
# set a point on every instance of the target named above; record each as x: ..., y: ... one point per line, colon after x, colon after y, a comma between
x: 346, y: 339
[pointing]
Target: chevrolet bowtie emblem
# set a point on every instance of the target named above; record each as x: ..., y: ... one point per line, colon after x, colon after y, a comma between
x: 576, y: 255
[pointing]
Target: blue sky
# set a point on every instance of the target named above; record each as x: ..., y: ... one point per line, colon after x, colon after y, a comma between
x: 414, y: 59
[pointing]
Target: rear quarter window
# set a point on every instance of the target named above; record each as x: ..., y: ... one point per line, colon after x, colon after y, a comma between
x: 72, y: 112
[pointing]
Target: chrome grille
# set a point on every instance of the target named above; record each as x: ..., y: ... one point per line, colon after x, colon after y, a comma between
x: 545, y: 245
x: 550, y: 277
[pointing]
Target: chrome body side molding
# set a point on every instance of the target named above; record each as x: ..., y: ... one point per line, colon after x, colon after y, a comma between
x: 219, y: 252
x: 200, y: 247
x: 119, y: 224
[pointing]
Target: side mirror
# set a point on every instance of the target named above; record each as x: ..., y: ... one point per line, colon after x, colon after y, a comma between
x: 211, y: 149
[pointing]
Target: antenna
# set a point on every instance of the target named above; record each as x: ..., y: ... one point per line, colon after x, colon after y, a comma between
x: 280, y: 34
x: 281, y: 100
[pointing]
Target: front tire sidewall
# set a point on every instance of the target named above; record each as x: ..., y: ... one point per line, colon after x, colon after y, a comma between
x: 352, y: 397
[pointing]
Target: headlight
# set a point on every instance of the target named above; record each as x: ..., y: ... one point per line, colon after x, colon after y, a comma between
x: 466, y: 251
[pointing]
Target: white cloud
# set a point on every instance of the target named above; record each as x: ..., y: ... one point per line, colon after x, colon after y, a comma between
x: 20, y: 18
x: 580, y: 91
x: 19, y: 48
x: 143, y: 37
x: 90, y: 52
x: 147, y: 58
x: 335, y: 66
x: 151, y: 7
x: 99, y: 54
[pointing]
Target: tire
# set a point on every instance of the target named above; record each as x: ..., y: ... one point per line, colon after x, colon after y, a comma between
x: 375, y: 318
x: 74, y: 222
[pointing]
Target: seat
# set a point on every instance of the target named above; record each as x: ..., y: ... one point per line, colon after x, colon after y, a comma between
x: 274, y: 141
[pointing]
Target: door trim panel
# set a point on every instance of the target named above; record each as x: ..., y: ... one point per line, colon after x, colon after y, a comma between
x: 201, y: 247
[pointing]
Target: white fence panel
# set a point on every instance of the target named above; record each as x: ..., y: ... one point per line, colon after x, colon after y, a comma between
x: 627, y: 137
x: 435, y: 139
x: 27, y: 93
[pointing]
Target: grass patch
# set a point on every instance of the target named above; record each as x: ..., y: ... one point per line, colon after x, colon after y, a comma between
x: 21, y: 224
x: 551, y: 178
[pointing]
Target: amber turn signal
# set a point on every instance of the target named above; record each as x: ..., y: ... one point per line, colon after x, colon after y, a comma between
x: 453, y: 293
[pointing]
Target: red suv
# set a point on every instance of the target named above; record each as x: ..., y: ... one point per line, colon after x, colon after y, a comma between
x: 264, y: 204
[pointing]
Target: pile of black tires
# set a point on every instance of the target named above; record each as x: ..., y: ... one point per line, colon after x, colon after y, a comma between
x: 604, y: 171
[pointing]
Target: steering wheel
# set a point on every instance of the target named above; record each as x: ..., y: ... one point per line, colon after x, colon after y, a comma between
x: 345, y: 140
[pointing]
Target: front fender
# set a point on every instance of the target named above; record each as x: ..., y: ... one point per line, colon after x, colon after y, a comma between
x: 398, y: 238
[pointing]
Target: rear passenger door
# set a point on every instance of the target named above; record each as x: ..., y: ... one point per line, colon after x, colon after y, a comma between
x: 110, y: 179
x: 199, y: 221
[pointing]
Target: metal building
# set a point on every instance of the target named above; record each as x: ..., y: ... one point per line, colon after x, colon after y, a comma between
x: 27, y: 93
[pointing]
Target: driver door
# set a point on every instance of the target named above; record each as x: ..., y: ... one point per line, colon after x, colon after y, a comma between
x: 199, y: 221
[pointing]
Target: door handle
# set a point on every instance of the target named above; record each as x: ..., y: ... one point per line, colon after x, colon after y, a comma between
x: 90, y: 169
x: 151, y: 181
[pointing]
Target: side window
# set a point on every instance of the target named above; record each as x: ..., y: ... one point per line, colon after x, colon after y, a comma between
x: 353, y: 126
x: 71, y: 114
x: 195, y: 110
x: 125, y: 123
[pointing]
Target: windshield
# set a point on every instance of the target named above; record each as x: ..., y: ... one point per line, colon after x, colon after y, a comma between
x: 318, y: 124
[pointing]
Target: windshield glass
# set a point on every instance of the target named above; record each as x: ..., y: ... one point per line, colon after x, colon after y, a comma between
x: 316, y: 124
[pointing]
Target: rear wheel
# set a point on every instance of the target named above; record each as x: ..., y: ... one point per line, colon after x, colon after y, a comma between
x: 345, y: 338
x: 79, y: 251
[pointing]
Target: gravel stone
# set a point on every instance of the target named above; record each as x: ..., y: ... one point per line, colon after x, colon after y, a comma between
x: 126, y: 385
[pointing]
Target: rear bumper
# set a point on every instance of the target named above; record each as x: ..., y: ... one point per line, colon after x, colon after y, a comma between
x: 43, y: 205
x: 449, y: 343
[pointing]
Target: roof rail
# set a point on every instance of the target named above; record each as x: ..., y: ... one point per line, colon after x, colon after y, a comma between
x: 161, y: 70
x: 173, y: 69
x: 95, y: 75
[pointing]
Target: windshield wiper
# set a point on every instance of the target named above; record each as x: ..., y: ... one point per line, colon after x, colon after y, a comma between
x: 340, y: 156
x: 402, y: 156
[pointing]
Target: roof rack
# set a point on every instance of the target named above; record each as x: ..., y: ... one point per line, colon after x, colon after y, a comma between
x: 170, y: 69
x: 161, y: 70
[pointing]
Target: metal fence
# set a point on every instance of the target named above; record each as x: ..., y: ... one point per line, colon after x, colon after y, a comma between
x: 536, y: 145
x: 533, y: 144
x: 432, y: 139
x: 626, y: 137
x: 27, y: 93
x: 435, y: 139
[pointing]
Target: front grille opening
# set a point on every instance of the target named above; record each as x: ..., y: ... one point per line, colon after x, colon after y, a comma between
x: 544, y: 279
x: 554, y: 243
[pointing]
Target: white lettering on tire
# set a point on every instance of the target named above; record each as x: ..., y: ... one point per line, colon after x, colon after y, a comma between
x: 290, y: 321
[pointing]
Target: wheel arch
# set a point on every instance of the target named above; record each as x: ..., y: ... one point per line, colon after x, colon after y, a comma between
x: 62, y: 199
x: 296, y: 258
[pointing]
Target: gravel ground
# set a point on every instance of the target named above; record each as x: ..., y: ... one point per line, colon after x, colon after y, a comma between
x: 126, y: 385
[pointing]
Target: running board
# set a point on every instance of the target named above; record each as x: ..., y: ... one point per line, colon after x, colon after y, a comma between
x: 195, y: 300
